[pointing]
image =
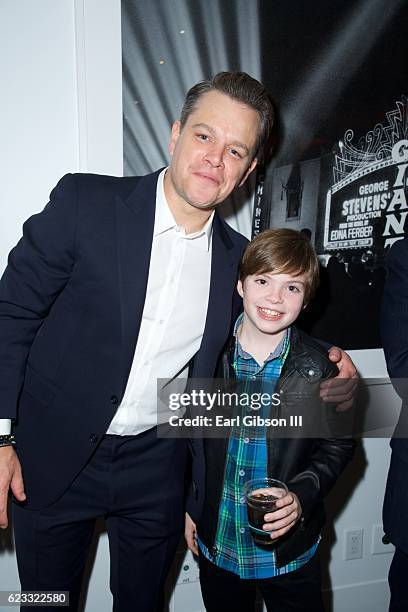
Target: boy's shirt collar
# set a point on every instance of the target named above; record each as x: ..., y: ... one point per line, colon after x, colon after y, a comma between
x: 279, y: 352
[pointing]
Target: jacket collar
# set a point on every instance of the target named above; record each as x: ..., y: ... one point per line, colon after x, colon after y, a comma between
x: 298, y: 360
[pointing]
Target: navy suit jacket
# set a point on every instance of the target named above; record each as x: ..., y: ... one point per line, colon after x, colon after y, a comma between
x: 394, y: 324
x: 71, y: 302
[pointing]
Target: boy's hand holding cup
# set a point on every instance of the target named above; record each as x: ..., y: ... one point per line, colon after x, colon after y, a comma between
x: 272, y: 509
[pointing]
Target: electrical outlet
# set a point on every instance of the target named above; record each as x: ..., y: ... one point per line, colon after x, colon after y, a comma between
x: 353, y: 544
x: 377, y: 545
x: 189, y: 571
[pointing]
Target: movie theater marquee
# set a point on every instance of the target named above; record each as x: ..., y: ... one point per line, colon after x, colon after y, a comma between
x: 366, y: 207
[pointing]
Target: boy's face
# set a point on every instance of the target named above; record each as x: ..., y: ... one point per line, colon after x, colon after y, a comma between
x: 272, y: 302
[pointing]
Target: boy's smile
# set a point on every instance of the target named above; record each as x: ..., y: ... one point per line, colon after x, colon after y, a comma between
x: 268, y: 314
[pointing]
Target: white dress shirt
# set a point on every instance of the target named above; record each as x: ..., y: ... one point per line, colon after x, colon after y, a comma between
x: 173, y: 317
x: 5, y: 427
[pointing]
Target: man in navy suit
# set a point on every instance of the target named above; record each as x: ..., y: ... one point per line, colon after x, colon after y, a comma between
x: 395, y: 342
x: 117, y: 283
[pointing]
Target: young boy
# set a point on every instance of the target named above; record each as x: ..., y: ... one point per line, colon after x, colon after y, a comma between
x: 278, y: 276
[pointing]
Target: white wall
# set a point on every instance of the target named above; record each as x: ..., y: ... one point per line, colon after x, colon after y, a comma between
x: 61, y: 100
x: 39, y: 128
x: 39, y: 107
x: 356, y: 503
x: 61, y: 111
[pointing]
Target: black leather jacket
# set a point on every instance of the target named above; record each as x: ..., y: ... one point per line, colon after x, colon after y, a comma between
x: 308, y: 466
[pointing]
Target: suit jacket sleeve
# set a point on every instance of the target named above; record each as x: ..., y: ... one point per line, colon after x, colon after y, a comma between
x: 394, y: 313
x: 38, y: 269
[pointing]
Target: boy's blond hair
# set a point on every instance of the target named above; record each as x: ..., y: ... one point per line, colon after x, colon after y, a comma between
x: 282, y: 251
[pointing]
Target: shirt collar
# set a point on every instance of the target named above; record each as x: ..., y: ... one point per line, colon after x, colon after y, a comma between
x: 279, y: 351
x: 165, y: 221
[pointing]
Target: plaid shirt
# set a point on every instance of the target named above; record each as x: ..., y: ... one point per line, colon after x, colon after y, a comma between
x: 247, y: 459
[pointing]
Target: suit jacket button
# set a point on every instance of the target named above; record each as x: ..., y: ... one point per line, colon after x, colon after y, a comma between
x: 93, y: 438
x: 114, y: 400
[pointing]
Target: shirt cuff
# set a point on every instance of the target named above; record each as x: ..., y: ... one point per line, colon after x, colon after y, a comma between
x: 5, y: 427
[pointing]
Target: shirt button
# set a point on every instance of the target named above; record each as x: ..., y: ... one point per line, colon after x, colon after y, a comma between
x: 242, y: 472
x: 311, y: 372
x: 253, y: 377
x: 242, y: 530
x: 242, y: 500
x: 146, y: 363
x: 161, y: 321
x: 246, y: 440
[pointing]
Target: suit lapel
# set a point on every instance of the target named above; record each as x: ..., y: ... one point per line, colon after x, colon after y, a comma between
x: 224, y: 262
x: 135, y: 223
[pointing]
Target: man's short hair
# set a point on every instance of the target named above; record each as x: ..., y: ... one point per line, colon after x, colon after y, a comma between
x: 244, y: 88
x: 282, y: 251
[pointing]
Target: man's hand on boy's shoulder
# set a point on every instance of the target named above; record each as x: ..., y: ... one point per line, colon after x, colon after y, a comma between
x: 340, y: 390
x: 288, y: 512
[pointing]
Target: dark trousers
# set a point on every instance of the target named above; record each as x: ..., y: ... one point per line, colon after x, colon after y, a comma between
x: 397, y: 579
x: 137, y: 484
x: 298, y: 591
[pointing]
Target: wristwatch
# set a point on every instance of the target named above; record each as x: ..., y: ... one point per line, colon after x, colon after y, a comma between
x: 7, y: 440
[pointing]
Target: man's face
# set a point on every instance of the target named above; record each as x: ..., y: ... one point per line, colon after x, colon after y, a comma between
x: 272, y: 302
x: 212, y: 153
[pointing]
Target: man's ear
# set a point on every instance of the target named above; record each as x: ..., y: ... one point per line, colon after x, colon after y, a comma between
x: 240, y: 288
x: 175, y: 133
x: 250, y: 168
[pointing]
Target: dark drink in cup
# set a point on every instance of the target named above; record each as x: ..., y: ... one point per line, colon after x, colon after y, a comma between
x: 261, y: 495
x: 258, y: 504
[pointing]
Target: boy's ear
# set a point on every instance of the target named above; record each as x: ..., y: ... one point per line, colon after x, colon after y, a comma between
x: 240, y: 288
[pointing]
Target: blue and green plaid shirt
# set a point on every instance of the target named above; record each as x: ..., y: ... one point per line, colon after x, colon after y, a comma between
x: 247, y: 459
